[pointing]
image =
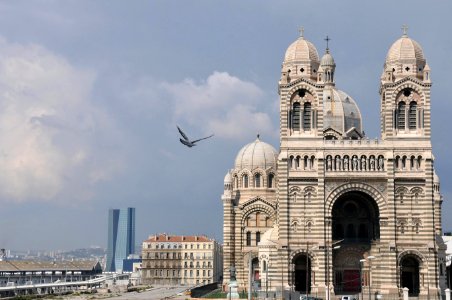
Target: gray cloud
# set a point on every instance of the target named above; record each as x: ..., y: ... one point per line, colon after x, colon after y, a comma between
x: 49, y: 128
x: 223, y: 104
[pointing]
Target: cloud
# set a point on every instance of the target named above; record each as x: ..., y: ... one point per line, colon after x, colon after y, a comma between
x: 52, y: 137
x: 224, y: 104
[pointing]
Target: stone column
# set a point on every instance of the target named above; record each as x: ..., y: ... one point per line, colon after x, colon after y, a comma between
x: 447, y: 294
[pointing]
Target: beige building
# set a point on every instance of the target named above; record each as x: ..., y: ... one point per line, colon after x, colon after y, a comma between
x: 333, y: 212
x: 181, y: 260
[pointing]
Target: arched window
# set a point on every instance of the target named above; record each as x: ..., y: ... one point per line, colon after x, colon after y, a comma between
x: 401, y: 115
x: 264, y: 266
x: 245, y: 181
x: 403, y: 162
x: 412, y: 115
x: 236, y: 182
x: 248, y: 238
x: 297, y: 162
x: 270, y: 180
x: 258, y: 237
x: 257, y: 180
x: 296, y: 116
x: 413, y: 163
x: 307, y: 116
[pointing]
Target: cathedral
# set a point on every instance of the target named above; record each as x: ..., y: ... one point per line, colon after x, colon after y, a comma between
x: 333, y: 212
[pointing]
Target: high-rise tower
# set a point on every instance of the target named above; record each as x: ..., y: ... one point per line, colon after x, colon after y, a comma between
x: 121, y: 237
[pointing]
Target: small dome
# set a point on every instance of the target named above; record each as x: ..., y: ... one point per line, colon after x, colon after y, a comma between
x: 256, y: 155
x: 435, y: 178
x: 405, y: 50
x: 302, y: 51
x: 340, y: 111
x: 327, y: 60
x: 270, y: 237
x: 227, y: 178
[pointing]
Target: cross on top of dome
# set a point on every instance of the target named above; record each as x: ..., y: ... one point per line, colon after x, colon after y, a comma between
x: 301, y: 31
x: 327, y: 39
x: 405, y: 30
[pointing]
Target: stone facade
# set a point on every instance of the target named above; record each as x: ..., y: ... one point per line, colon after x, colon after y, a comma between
x: 334, y: 212
x: 181, y: 260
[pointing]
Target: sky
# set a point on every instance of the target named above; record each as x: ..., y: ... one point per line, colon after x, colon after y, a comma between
x: 91, y: 93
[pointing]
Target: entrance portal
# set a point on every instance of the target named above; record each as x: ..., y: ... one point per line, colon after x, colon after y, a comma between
x: 355, y: 225
x: 410, y: 275
x: 302, y: 273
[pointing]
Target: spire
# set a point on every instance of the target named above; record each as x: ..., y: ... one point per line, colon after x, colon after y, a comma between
x: 404, y: 30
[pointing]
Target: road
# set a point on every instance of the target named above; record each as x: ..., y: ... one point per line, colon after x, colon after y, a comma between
x: 155, y: 293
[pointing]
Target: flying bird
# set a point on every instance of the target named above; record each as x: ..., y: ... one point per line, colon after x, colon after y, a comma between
x: 186, y: 141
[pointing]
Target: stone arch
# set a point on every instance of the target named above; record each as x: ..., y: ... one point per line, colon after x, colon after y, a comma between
x: 410, y: 268
x: 304, y: 265
x: 356, y: 186
x: 297, y: 86
x: 414, y: 253
x: 311, y: 254
x: 257, y: 205
x: 410, y: 85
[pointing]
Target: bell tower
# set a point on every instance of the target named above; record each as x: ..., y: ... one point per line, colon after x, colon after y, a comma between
x: 300, y: 105
x: 405, y: 92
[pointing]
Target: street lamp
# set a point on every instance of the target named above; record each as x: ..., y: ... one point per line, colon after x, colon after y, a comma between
x: 361, y: 262
x: 328, y: 265
x: 370, y: 274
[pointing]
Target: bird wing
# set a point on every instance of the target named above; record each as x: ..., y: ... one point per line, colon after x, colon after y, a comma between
x: 202, y: 139
x: 186, y: 143
x: 182, y: 134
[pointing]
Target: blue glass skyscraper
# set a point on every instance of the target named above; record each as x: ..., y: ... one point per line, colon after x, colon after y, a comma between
x: 121, y: 237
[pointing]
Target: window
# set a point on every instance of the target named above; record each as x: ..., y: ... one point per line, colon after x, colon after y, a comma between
x: 248, y: 238
x: 412, y: 115
x: 296, y: 116
x: 245, y: 181
x: 270, y: 180
x: 307, y: 116
x: 258, y: 237
x: 257, y: 180
x: 401, y: 115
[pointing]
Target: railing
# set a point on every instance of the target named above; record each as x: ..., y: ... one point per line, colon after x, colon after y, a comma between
x: 363, y: 142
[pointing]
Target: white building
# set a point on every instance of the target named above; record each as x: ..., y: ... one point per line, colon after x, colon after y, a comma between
x: 332, y: 212
x: 177, y: 259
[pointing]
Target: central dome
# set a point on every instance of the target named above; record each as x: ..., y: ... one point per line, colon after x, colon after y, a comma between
x: 340, y: 111
x: 256, y: 155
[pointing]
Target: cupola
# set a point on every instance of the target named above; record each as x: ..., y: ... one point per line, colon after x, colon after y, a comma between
x: 301, y: 60
x: 405, y: 58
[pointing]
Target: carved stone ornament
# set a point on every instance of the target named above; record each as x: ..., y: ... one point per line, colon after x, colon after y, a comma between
x: 381, y: 187
x: 294, y: 224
